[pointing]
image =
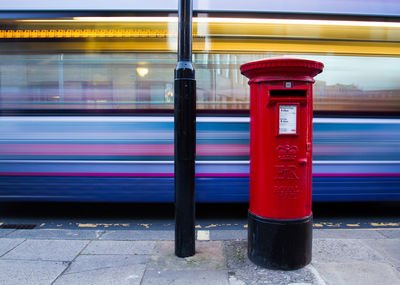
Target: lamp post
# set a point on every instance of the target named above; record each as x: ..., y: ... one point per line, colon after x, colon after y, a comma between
x: 185, y: 135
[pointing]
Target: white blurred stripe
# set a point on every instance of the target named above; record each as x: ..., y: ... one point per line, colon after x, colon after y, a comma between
x: 355, y: 121
x: 89, y: 119
x: 124, y: 119
x: 356, y: 161
x: 170, y: 119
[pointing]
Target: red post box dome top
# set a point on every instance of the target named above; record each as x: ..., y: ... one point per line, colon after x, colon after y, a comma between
x: 302, y: 69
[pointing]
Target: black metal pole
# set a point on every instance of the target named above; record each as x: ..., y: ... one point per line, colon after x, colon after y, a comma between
x: 185, y: 135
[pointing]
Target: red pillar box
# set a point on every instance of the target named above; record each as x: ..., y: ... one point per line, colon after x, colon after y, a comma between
x: 280, y: 217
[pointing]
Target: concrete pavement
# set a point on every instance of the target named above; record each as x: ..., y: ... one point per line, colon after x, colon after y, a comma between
x: 83, y: 256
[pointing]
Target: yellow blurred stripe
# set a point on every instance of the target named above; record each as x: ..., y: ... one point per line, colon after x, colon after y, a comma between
x: 82, y: 33
x: 213, y: 36
x: 210, y: 27
x: 214, y: 46
x: 299, y: 46
x: 301, y: 31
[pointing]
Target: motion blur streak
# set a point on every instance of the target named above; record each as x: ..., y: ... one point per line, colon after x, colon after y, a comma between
x: 86, y: 100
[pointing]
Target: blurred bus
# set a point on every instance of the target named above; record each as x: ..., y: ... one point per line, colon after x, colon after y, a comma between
x: 86, y: 98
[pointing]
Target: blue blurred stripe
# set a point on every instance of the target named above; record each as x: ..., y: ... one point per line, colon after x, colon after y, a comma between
x: 348, y: 146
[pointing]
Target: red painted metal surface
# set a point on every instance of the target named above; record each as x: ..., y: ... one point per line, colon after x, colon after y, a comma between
x: 281, y: 136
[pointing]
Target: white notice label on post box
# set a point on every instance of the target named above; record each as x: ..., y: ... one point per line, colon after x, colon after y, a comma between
x: 287, y: 119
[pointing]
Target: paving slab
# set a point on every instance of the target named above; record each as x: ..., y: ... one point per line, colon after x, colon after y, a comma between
x: 119, y: 247
x: 5, y: 232
x: 342, y: 250
x: 346, y: 234
x: 26, y: 272
x: 142, y: 257
x: 7, y: 244
x: 138, y: 235
x: 56, y: 234
x: 54, y: 250
x: 361, y: 273
x: 209, y: 256
x: 390, y: 233
x: 234, y: 281
x: 85, y: 263
x: 389, y: 248
x: 121, y: 275
x: 228, y: 235
x: 185, y: 277
x: 242, y: 271
x: 260, y: 275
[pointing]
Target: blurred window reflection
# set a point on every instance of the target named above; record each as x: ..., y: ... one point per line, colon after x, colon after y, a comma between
x: 131, y: 81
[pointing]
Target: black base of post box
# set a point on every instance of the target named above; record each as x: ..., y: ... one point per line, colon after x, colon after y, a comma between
x: 279, y: 244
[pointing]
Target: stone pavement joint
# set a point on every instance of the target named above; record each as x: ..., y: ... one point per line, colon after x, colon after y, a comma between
x: 120, y: 257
